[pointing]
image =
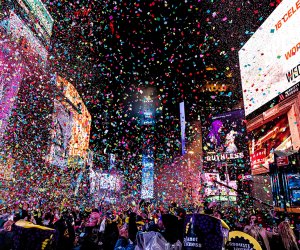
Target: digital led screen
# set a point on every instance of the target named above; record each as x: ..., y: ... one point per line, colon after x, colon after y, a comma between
x: 148, y: 111
x: 263, y: 141
x: 224, y: 139
x: 12, y: 71
x: 112, y: 161
x: 79, y: 142
x: 269, y: 61
x: 293, y: 181
x: 94, y: 181
x: 30, y: 45
x: 39, y: 10
x: 147, y: 190
x: 217, y: 191
x: 182, y: 127
x: 62, y: 123
x: 109, y: 181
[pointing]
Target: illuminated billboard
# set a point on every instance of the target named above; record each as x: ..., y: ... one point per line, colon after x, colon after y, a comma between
x: 182, y: 127
x: 39, y: 15
x: 265, y: 140
x: 28, y: 42
x: 81, y: 126
x: 224, y: 139
x: 269, y: 61
x: 215, y: 191
x: 39, y: 11
x: 6, y: 168
x: 148, y: 111
x: 147, y: 190
x: 109, y: 182
x: 146, y: 106
x: 62, y: 122
x: 12, y: 71
x: 106, y: 186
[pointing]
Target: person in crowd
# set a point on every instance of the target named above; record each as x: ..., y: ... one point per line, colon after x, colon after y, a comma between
x: 218, y: 214
x: 181, y: 213
x: 111, y: 232
x: 94, y: 218
x: 259, y: 233
x: 30, y: 218
x: 47, y: 222
x: 208, y: 208
x: 23, y: 211
x: 77, y: 216
x: 124, y: 242
x: 4, y: 216
x: 132, y: 227
x: 167, y: 238
x: 128, y: 233
x: 286, y: 237
x: 65, y: 231
x: 6, y: 236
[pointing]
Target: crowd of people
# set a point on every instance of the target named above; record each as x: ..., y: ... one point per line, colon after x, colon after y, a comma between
x: 142, y: 226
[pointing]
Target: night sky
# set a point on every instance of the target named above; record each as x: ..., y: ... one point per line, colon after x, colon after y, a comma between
x: 112, y: 50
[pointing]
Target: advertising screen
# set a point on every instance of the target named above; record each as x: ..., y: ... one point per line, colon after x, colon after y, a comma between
x: 293, y: 181
x: 12, y: 70
x: 39, y: 11
x: 147, y: 177
x: 148, y: 111
x: 146, y: 106
x: 215, y: 191
x: 106, y: 186
x: 269, y: 61
x: 61, y: 135
x: 29, y: 44
x: 109, y: 182
x: 81, y: 125
x: 182, y: 127
x: 6, y: 168
x: 93, y: 177
x: 224, y: 139
x: 263, y: 141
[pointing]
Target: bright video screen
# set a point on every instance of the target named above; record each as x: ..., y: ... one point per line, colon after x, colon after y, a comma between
x: 269, y: 61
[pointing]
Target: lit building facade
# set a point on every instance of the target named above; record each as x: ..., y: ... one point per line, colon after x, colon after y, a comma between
x: 25, y: 95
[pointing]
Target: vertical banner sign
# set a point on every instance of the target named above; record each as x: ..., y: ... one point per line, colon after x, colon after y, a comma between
x: 147, y: 177
x: 182, y: 127
x: 112, y: 161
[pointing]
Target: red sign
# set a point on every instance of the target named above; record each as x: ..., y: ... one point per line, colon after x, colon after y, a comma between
x: 282, y: 161
x: 258, y: 158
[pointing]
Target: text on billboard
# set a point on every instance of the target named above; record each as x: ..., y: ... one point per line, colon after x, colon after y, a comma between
x: 288, y: 15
